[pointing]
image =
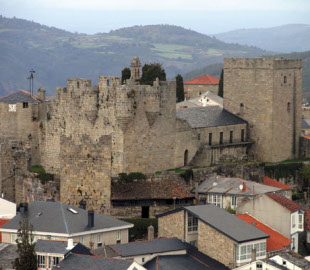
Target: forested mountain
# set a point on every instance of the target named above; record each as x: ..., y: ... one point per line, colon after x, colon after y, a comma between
x: 286, y: 38
x: 56, y: 54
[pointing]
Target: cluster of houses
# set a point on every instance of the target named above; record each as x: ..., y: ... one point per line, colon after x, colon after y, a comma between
x: 268, y: 231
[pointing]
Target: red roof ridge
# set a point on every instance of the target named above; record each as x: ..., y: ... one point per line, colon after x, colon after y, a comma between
x: 274, y: 183
x: 204, y: 79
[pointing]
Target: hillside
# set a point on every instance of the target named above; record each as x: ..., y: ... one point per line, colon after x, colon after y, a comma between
x: 285, y: 38
x: 56, y: 54
x: 215, y: 69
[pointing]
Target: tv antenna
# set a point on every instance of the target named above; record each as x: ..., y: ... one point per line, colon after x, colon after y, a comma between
x: 31, y: 77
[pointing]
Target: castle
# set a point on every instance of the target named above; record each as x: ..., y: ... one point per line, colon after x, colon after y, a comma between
x: 89, y: 134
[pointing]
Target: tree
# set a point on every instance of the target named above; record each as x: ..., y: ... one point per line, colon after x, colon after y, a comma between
x: 125, y: 74
x: 152, y: 71
x: 27, y: 258
x: 180, y: 88
x: 221, y: 85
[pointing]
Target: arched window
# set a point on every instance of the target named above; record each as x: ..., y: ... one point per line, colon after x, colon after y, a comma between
x: 284, y: 80
x: 288, y: 106
x: 78, y: 84
x: 241, y: 108
x: 186, y: 157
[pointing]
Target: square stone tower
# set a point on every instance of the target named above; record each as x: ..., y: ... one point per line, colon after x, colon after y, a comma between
x: 267, y: 93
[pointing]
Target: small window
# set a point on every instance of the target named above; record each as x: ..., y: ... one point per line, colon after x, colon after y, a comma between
x: 118, y: 237
x: 142, y: 260
x: 284, y: 262
x: 108, y: 82
x: 25, y: 105
x: 242, y: 135
x: 41, y: 261
x: 78, y: 84
x: 234, y: 201
x: 285, y: 79
x: 199, y: 137
x: 221, y: 137
x: 288, y: 106
x: 55, y: 261
x: 192, y: 223
x: 241, y: 108
x: 231, y: 133
x: 99, y: 239
x: 13, y: 238
x: 210, y: 138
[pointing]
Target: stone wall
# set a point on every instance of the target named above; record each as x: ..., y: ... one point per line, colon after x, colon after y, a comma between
x: 304, y: 147
x: 86, y: 172
x: 216, y: 245
x: 195, y: 90
x: 267, y: 94
x: 172, y: 225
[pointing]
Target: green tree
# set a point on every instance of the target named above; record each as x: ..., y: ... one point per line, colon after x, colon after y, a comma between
x: 180, y: 88
x: 27, y: 258
x: 152, y: 71
x: 125, y: 74
x: 221, y: 85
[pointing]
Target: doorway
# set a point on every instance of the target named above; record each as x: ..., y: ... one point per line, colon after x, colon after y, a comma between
x: 145, y: 212
x: 186, y: 157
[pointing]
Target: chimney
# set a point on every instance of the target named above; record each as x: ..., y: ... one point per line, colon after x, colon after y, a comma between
x: 91, y: 221
x: 150, y: 233
x: 244, y: 187
x: 70, y: 244
x: 41, y: 94
x: 82, y: 205
x: 23, y: 208
x: 253, y: 255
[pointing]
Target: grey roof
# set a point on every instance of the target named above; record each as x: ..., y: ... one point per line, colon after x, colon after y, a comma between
x: 59, y: 247
x: 197, y: 102
x: 231, y: 186
x: 224, y: 222
x: 273, y: 263
x: 82, y: 262
x: 295, y: 259
x: 149, y: 247
x: 19, y: 96
x: 54, y: 217
x: 305, y: 123
x: 182, y: 262
x: 211, y: 116
x: 8, y: 254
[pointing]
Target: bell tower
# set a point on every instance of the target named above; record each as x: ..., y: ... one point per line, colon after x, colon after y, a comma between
x: 135, y: 69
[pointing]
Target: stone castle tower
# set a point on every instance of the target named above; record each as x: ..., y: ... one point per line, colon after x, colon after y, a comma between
x: 268, y: 94
x: 135, y: 69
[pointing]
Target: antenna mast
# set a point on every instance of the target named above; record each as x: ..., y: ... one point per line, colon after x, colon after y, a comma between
x: 31, y: 77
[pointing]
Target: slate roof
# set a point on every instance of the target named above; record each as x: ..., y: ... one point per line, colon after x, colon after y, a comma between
x: 224, y: 222
x: 19, y: 96
x: 210, y: 116
x: 295, y: 259
x: 149, y: 247
x: 231, y: 186
x: 197, y: 102
x: 182, y: 262
x: 82, y: 262
x: 273, y: 263
x: 305, y: 123
x: 274, y: 183
x: 204, y: 79
x: 150, y: 190
x: 276, y: 241
x: 285, y: 202
x: 56, y: 218
x: 59, y: 247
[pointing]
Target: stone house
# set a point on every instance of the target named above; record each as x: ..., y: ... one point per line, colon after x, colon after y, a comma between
x: 230, y: 192
x: 145, y: 199
x: 276, y: 242
x: 58, y: 221
x: 195, y: 87
x: 50, y: 253
x: 215, y: 232
x: 279, y: 212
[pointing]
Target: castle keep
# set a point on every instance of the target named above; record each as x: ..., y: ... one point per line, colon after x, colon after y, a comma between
x: 88, y: 134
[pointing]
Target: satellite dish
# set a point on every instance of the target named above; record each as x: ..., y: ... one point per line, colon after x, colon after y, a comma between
x: 241, y: 187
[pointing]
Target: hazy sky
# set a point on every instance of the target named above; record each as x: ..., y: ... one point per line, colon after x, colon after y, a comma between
x: 205, y: 16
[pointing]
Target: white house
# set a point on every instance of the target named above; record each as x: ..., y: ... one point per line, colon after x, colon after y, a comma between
x: 7, y: 209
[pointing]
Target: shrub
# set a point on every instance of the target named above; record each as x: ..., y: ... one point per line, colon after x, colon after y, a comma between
x: 131, y: 176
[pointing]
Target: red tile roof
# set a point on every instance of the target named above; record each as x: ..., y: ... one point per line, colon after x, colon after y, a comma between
x: 274, y: 183
x: 307, y: 219
x: 2, y: 222
x: 276, y: 241
x: 150, y: 190
x: 204, y: 79
x: 283, y: 201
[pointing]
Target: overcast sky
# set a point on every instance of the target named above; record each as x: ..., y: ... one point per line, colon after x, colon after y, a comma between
x: 205, y: 16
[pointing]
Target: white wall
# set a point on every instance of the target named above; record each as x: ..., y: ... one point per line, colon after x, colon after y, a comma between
x: 279, y: 260
x: 253, y: 266
x: 7, y: 209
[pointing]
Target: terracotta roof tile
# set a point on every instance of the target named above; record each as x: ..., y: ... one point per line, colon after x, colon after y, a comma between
x: 274, y: 183
x: 276, y: 241
x: 204, y: 79
x: 307, y: 219
x: 285, y: 202
x: 150, y: 190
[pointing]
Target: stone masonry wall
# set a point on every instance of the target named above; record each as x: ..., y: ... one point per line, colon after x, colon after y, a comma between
x: 86, y: 172
x: 195, y: 90
x: 216, y: 245
x: 267, y: 94
x: 172, y: 225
